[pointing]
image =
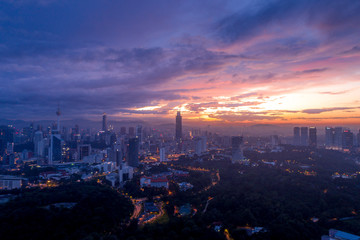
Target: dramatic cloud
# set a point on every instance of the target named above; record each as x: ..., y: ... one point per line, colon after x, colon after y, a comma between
x: 331, y: 18
x: 317, y: 111
x: 232, y: 61
x: 355, y: 49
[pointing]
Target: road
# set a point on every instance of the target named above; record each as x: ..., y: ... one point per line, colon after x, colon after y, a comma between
x: 137, y: 207
x: 207, y: 204
x: 137, y: 210
x: 227, y: 235
x: 157, y: 216
x: 213, y: 183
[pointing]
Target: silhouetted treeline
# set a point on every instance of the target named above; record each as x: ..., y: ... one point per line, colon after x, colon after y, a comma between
x: 94, y: 210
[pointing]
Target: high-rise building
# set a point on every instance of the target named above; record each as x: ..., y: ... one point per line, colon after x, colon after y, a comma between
x: 104, y: 123
x: 55, y: 149
x: 204, y: 143
x: 296, y: 136
x: 274, y: 140
x: 10, y: 147
x: 122, y: 130
x: 84, y: 150
x: 329, y: 136
x: 139, y: 133
x: 304, y: 138
x: 133, y: 153
x: 39, y: 144
x: 338, y: 137
x: 312, y: 137
x: 116, y: 153
x: 236, y: 149
x: 200, y: 145
x: 131, y: 131
x: 163, y: 154
x: 347, y: 139
x: 178, y: 127
x: 58, y: 113
x: 6, y: 135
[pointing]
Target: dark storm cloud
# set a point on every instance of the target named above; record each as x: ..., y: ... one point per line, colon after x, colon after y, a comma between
x: 355, y: 49
x: 198, y: 107
x: 78, y: 103
x: 321, y: 110
x: 315, y: 70
x: 103, y: 79
x: 332, y: 17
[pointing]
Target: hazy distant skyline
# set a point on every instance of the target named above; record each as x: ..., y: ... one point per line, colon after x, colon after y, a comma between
x: 216, y: 61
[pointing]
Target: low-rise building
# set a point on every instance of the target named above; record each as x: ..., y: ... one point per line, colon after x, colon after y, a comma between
x: 157, y: 182
x: 184, y: 186
x: 340, y: 235
x: 11, y: 182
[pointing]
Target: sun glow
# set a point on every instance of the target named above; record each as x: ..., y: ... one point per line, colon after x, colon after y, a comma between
x: 149, y: 108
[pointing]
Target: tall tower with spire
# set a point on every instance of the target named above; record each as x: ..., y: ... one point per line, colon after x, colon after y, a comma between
x: 178, y: 128
x: 104, y: 123
x: 58, y: 113
x: 55, y: 149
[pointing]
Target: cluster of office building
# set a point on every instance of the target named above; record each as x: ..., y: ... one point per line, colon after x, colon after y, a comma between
x: 335, y: 137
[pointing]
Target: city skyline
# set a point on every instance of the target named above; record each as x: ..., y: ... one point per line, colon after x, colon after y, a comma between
x: 181, y: 119
x: 248, y: 62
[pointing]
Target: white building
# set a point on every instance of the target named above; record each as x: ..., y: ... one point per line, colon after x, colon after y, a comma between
x: 200, y: 145
x: 11, y: 182
x: 106, y: 167
x: 125, y: 173
x: 10, y: 148
x: 112, y: 177
x: 94, y: 158
x: 163, y: 156
x: 39, y: 144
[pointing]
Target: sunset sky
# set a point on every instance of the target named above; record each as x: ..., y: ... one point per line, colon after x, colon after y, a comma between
x: 230, y: 62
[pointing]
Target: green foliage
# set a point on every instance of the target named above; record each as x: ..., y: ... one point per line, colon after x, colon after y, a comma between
x: 98, y: 209
x: 282, y: 202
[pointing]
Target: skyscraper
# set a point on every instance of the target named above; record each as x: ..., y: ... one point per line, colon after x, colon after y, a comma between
x: 329, y: 136
x: 338, y: 141
x: 10, y: 147
x: 296, y: 136
x: 133, y: 153
x: 139, y: 133
x: 84, y: 150
x: 122, y: 130
x: 117, y: 153
x: 39, y: 144
x: 236, y: 149
x: 104, y: 123
x: 312, y: 137
x: 162, y: 154
x: 178, y: 128
x: 304, y: 136
x: 131, y: 131
x: 347, y: 139
x: 198, y: 146
x: 55, y: 149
